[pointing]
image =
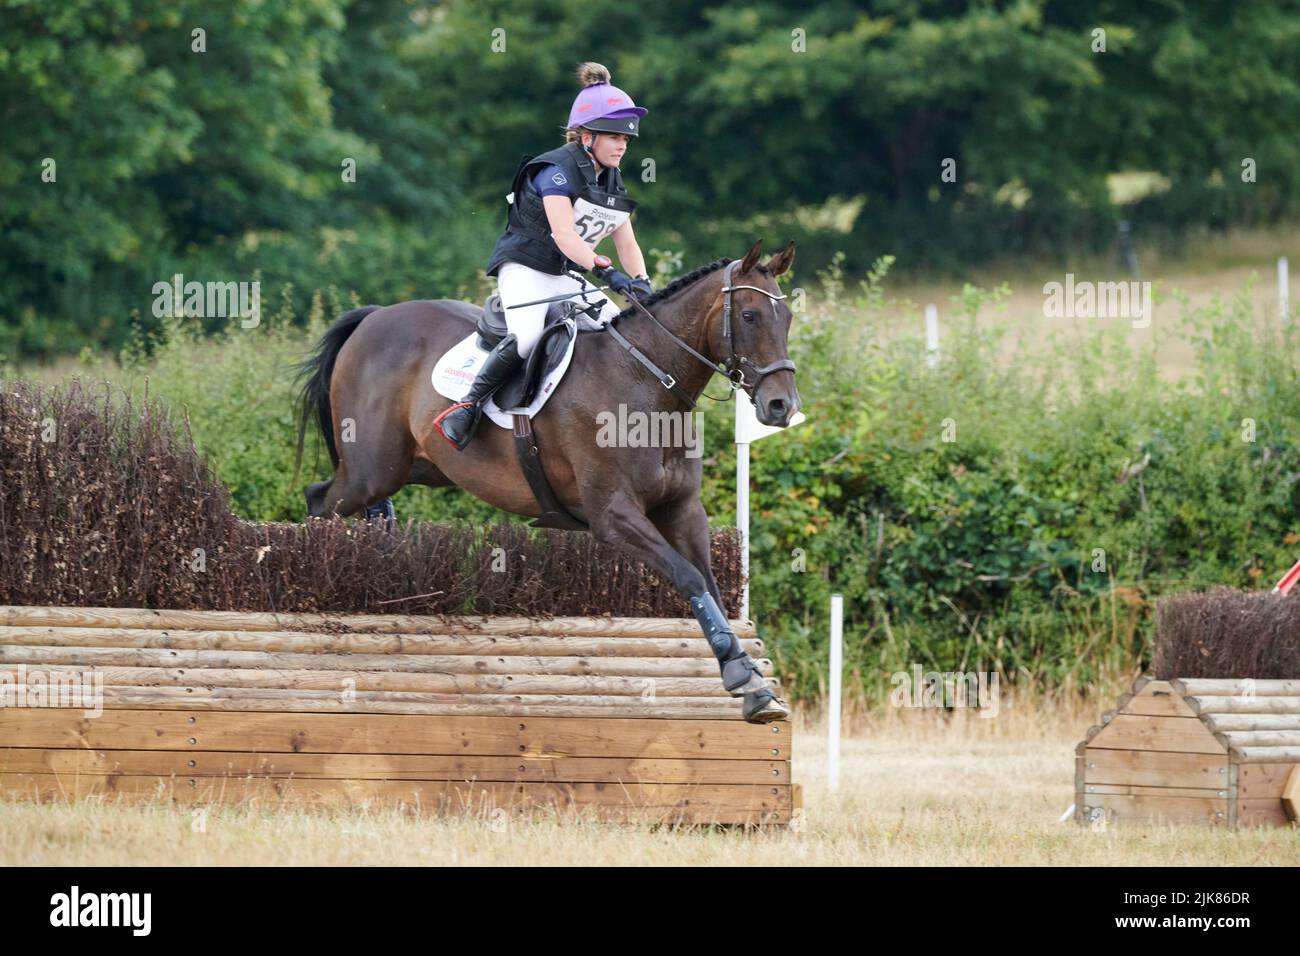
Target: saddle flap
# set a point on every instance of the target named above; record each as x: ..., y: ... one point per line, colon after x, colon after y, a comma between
x: 549, y: 352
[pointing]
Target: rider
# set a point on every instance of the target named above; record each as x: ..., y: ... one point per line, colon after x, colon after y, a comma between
x: 564, y: 202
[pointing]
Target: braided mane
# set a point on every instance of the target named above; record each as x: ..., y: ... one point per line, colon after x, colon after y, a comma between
x: 677, y: 285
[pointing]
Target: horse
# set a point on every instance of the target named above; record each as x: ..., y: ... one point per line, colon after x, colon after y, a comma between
x: 369, y: 378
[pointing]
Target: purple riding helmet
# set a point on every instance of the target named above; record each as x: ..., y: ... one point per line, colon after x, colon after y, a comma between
x: 604, y: 108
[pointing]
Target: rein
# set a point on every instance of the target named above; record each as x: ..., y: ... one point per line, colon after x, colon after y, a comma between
x: 733, y: 369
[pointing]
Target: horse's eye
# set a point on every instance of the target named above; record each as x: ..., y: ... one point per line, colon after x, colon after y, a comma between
x: 749, y: 315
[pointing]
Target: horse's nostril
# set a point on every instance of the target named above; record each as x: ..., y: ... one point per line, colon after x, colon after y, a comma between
x: 776, y: 407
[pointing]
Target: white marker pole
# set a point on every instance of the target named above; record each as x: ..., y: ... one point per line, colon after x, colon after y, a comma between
x: 748, y: 431
x: 1283, y: 287
x: 742, y: 519
x: 833, y: 708
x: 931, y: 336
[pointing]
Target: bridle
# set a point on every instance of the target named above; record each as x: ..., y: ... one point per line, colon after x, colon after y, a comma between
x: 735, y: 366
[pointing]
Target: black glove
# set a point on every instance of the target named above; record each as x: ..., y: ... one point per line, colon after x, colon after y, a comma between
x: 641, y: 288
x: 616, y: 280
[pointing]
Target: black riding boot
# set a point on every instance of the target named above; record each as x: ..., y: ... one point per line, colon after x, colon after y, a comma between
x: 458, y: 423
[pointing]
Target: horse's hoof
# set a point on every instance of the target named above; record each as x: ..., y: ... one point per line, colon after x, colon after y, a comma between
x: 764, y: 707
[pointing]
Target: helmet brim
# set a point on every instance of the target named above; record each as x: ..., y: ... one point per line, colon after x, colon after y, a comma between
x: 627, y: 125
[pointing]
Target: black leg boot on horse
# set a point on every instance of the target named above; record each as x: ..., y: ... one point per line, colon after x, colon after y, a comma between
x: 383, y: 510
x: 458, y: 423
x: 740, y: 673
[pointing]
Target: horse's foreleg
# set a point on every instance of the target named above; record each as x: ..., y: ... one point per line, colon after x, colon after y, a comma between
x: 685, y: 526
x: 621, y: 522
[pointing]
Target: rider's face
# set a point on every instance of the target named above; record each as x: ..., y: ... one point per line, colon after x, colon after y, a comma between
x: 608, y: 148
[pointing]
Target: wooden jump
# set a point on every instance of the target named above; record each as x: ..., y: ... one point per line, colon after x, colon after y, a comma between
x: 624, y: 718
x: 1222, y: 752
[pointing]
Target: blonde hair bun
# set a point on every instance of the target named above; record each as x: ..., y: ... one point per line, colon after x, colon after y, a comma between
x: 589, y: 74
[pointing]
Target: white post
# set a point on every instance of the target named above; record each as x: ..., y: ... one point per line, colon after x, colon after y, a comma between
x: 833, y: 707
x: 1283, y: 287
x: 931, y: 336
x: 748, y: 430
x: 742, y: 520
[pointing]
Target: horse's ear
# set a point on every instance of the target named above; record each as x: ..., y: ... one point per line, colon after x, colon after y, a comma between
x: 751, y: 258
x: 780, y: 263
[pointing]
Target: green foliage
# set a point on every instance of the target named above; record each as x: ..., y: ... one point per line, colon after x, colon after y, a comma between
x: 1072, y: 492
x: 833, y: 126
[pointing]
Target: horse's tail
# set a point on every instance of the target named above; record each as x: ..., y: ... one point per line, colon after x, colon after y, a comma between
x: 318, y: 368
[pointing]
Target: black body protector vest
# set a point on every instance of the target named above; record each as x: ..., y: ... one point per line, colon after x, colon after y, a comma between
x: 597, y: 211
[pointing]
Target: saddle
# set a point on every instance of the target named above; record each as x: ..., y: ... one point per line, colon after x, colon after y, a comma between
x: 521, y: 388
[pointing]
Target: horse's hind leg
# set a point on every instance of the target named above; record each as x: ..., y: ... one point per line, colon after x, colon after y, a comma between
x: 316, y: 494
x: 347, y: 493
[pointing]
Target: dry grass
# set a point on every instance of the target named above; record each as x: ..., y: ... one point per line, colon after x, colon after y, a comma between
x: 1212, y: 266
x: 916, y: 789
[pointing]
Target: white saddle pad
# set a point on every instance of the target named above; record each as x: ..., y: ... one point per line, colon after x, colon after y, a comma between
x: 454, y: 373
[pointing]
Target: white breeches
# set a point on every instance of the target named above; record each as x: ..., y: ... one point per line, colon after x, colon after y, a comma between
x: 519, y: 283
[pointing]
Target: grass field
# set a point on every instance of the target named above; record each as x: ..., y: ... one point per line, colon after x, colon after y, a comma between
x: 916, y: 789
x: 1222, y: 266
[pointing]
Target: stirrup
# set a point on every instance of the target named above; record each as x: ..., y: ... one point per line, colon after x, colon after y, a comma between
x: 437, y: 423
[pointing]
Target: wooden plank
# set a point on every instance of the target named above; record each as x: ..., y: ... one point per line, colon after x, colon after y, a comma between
x: 1240, y: 687
x: 1213, y: 811
x: 1244, y: 705
x: 156, y: 729
x: 1225, y: 723
x: 405, y: 663
x: 339, y: 681
x: 1139, y: 791
x: 1134, y: 732
x: 1266, y: 754
x: 597, y: 708
x: 394, y: 766
x: 1291, y: 794
x: 723, y: 705
x: 1260, y: 738
x: 1155, y: 699
x: 1263, y: 781
x: 1261, y: 813
x: 20, y: 616
x: 308, y: 643
x: 1155, y: 768
x: 703, y: 803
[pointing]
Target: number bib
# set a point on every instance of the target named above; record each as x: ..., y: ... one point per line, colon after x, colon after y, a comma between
x: 597, y: 213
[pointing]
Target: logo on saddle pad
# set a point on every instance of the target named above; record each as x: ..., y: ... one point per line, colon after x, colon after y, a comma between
x: 455, y: 371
